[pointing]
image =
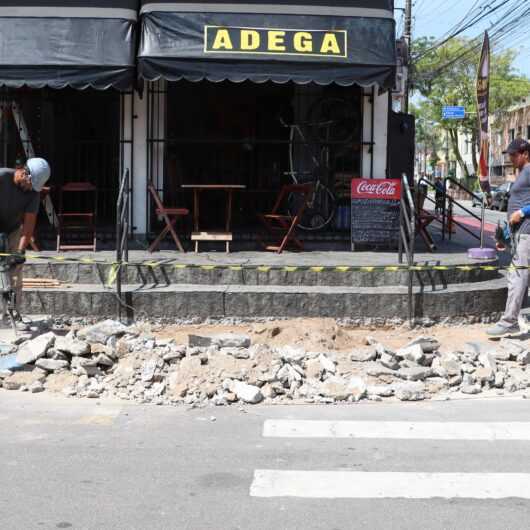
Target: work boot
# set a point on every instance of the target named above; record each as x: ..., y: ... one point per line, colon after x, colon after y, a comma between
x: 502, y: 330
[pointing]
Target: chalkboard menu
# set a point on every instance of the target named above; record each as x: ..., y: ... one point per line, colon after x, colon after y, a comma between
x: 375, y: 211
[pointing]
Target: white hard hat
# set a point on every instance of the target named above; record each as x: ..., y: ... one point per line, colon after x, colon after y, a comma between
x: 40, y: 172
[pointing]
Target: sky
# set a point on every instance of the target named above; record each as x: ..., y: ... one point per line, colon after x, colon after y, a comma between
x: 435, y: 17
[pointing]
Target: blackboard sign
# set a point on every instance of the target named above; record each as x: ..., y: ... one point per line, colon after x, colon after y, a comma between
x: 375, y: 211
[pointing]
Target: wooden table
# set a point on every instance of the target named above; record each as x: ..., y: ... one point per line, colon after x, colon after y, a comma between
x: 198, y: 235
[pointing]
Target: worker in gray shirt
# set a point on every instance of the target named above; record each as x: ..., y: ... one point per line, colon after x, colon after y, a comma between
x: 519, y: 152
x: 19, y: 206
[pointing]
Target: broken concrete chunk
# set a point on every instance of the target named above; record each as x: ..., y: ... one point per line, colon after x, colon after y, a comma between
x: 292, y: 355
x: 499, y: 380
x: 247, y: 393
x: 36, y: 387
x: 224, y: 340
x: 104, y: 360
x: 376, y: 370
x: 488, y: 361
x: 103, y: 331
x: 35, y: 349
x: 524, y: 358
x: 415, y: 373
x: 388, y: 361
x: 175, y: 354
x: 364, y: 355
x: 470, y: 389
x: 412, y: 353
x: 357, y: 388
x: 427, y: 344
x: 52, y: 365
x: 148, y: 370
x: 237, y: 353
x: 451, y: 364
x: 380, y: 390
x: 230, y: 340
x: 199, y: 341
x: 327, y: 364
x: 335, y: 387
x: 10, y: 384
x: 412, y: 391
x: 72, y: 346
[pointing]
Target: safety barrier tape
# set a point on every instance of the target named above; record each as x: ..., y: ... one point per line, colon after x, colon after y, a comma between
x: 154, y: 264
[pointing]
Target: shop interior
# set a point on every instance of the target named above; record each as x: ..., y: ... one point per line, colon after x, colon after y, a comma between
x: 258, y: 136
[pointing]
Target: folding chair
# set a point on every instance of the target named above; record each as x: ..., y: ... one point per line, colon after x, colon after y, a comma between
x: 283, y: 226
x: 77, y: 229
x: 423, y: 219
x: 170, y: 216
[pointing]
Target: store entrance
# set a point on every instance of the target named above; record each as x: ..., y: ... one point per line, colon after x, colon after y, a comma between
x: 242, y: 133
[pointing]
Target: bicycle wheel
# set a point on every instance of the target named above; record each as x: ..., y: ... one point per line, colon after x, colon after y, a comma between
x: 333, y: 120
x: 319, y: 213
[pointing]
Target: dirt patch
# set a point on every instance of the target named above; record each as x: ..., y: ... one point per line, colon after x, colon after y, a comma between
x: 319, y: 334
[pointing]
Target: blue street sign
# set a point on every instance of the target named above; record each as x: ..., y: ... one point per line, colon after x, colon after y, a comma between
x: 453, y: 113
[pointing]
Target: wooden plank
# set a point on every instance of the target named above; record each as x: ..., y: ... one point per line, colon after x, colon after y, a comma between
x: 211, y: 236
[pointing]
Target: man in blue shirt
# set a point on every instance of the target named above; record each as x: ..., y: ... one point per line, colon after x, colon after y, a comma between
x: 519, y: 152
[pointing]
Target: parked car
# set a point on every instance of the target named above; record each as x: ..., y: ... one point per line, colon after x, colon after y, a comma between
x: 477, y: 199
x: 501, y: 196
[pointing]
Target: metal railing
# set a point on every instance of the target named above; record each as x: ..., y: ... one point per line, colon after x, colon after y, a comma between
x: 452, y: 202
x: 407, y: 238
x: 122, y: 234
x: 449, y: 202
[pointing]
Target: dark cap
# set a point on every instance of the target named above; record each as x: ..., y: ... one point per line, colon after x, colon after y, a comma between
x: 517, y: 146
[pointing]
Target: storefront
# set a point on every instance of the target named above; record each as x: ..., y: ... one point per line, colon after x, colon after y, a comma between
x: 252, y: 93
x: 68, y: 66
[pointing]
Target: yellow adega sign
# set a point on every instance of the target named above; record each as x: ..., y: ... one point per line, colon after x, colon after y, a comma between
x: 319, y: 43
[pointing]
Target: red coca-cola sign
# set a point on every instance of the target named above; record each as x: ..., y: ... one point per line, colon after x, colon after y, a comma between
x: 386, y: 189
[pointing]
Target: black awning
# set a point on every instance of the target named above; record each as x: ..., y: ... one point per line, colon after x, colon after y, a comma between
x: 58, y: 43
x: 323, y: 41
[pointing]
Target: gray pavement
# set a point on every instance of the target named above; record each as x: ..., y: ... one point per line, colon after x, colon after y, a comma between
x: 90, y: 465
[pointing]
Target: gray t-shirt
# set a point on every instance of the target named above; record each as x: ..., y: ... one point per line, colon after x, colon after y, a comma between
x: 14, y: 202
x: 520, y: 197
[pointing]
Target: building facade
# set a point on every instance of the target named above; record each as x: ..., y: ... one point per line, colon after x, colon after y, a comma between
x: 207, y: 96
x: 513, y: 124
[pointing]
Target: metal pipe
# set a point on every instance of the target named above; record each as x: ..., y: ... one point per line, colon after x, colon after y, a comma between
x: 482, y: 216
x: 372, y: 132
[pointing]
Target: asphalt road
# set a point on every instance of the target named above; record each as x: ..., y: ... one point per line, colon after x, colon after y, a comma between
x: 84, y: 465
x: 491, y: 216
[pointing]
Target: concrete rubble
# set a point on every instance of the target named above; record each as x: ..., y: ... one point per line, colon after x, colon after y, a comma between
x: 110, y: 359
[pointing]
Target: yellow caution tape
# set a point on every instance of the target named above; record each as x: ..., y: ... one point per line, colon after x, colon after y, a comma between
x: 154, y: 264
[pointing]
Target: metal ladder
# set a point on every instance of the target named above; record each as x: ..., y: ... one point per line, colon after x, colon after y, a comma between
x: 29, y: 151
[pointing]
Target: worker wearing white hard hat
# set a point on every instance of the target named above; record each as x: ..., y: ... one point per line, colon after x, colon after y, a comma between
x: 19, y: 206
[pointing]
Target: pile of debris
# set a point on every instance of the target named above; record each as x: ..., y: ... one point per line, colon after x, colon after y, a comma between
x: 109, y: 359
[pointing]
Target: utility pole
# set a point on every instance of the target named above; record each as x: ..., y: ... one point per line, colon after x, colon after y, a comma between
x: 408, y: 40
x: 446, y: 152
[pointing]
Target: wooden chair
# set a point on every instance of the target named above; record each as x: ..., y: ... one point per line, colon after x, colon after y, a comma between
x: 81, y: 223
x: 423, y: 219
x: 170, y: 217
x: 283, y: 226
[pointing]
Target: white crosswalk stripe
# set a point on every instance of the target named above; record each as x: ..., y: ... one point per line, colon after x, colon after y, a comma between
x: 397, y: 430
x: 359, y: 485
x: 340, y: 484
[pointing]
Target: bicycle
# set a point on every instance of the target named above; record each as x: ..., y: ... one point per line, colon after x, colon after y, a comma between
x: 330, y: 124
